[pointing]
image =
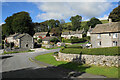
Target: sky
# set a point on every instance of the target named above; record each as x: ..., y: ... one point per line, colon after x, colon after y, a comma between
x: 46, y: 10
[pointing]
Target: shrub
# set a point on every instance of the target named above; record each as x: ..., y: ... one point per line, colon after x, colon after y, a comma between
x: 54, y: 40
x: 109, y: 51
x: 66, y: 40
x: 77, y: 40
x: 78, y: 46
x: 39, y: 40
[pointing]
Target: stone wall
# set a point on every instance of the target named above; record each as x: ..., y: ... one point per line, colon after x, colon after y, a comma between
x: 100, y: 60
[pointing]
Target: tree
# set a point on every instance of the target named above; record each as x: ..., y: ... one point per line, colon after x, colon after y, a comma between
x: 93, y: 22
x: 53, y: 23
x: 20, y: 22
x: 115, y: 14
x: 54, y: 40
x: 76, y: 22
x: 56, y: 31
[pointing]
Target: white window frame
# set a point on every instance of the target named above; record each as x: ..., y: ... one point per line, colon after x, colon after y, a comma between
x: 114, y: 43
x: 99, y: 43
x: 114, y: 35
x: 99, y: 36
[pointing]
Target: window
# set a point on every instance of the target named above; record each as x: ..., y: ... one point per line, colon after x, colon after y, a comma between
x: 109, y: 34
x: 99, y: 36
x: 99, y: 43
x: 114, y: 35
x: 114, y: 43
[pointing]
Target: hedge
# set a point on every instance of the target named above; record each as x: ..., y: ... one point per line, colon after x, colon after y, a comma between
x: 109, y: 51
x: 74, y: 46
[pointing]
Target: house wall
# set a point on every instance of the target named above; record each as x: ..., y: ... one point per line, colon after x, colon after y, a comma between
x: 88, y: 33
x: 45, y: 42
x: 78, y: 35
x: 27, y: 42
x: 118, y: 39
x: 69, y: 36
x: 106, y: 40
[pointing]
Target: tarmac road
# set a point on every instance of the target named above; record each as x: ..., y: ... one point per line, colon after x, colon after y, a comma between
x: 20, y: 65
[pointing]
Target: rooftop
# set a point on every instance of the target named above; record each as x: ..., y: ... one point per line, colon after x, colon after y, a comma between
x: 107, y: 27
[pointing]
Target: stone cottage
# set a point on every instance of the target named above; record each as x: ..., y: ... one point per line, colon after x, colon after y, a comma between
x: 41, y: 35
x: 106, y: 35
x: 89, y: 31
x: 69, y: 34
x: 47, y: 40
x: 21, y: 40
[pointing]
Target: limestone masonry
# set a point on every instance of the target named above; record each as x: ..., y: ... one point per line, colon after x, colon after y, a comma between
x: 100, y: 60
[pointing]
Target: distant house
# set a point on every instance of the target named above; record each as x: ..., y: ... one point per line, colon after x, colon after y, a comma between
x: 41, y: 35
x: 106, y: 35
x: 89, y: 31
x: 69, y: 34
x: 21, y: 40
x: 47, y: 40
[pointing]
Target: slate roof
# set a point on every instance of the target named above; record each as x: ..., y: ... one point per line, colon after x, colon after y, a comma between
x: 90, y: 29
x: 107, y: 27
x: 40, y: 33
x: 18, y: 35
x: 48, y: 38
x: 73, y: 32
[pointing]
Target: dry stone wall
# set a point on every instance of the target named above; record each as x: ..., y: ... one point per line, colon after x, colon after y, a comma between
x: 100, y: 60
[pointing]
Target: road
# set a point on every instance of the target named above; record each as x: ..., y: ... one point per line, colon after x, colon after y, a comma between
x: 19, y: 65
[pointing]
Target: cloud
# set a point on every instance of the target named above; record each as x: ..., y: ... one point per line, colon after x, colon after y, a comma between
x: 105, y: 17
x: 1, y: 23
x: 63, y: 10
x: 59, y: 0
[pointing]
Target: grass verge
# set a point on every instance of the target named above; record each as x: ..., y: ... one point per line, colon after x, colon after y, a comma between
x: 110, y: 72
x: 52, y: 48
x: 18, y: 52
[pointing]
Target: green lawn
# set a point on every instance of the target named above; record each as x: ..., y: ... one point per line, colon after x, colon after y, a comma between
x: 52, y: 48
x: 17, y: 52
x: 78, y: 44
x: 110, y: 72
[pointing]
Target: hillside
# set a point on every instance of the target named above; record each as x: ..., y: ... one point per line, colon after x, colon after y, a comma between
x: 83, y: 24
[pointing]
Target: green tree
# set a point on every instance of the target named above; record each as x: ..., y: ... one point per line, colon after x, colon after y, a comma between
x: 115, y: 14
x: 56, y: 31
x: 22, y: 23
x: 76, y: 22
x: 54, y: 40
x: 53, y: 23
x: 93, y: 22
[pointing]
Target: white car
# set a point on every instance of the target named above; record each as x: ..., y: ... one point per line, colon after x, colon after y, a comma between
x: 88, y: 44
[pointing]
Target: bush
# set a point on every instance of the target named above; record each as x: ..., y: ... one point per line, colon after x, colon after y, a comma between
x: 77, y: 40
x: 78, y: 46
x: 39, y: 40
x: 54, y: 40
x: 108, y: 51
x: 66, y: 40
x: 37, y: 45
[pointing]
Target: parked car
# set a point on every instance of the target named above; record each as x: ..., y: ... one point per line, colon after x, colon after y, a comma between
x: 88, y: 44
x: 60, y: 44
